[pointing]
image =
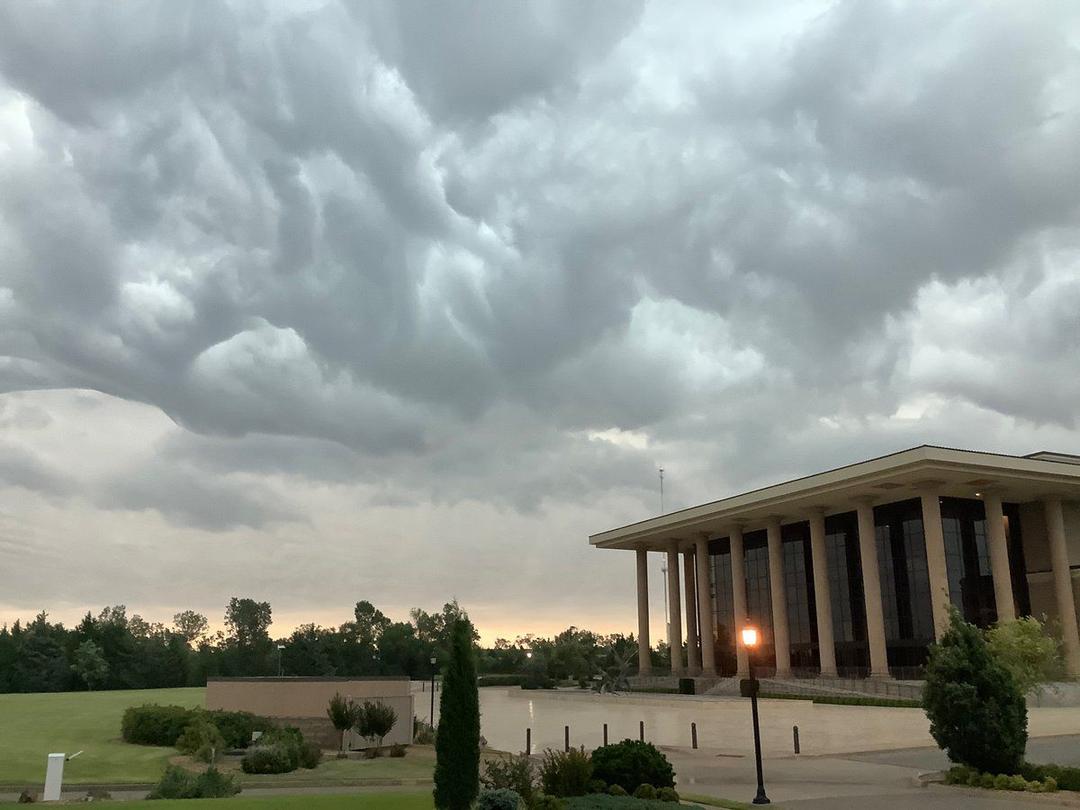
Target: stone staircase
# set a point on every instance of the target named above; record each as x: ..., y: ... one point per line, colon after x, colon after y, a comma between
x: 828, y: 687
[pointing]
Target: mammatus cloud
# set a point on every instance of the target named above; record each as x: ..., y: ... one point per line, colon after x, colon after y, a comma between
x: 496, y: 262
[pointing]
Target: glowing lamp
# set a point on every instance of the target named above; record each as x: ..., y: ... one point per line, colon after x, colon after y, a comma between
x: 750, y: 637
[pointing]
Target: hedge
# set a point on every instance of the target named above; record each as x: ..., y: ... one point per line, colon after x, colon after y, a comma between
x: 152, y: 724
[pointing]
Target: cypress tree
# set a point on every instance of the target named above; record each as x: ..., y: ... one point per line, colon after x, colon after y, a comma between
x: 457, y: 742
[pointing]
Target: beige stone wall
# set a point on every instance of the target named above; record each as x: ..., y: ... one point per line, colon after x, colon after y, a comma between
x: 1037, y: 555
x: 302, y: 702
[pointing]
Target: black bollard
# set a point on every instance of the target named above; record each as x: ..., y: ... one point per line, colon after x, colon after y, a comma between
x: 795, y: 735
x: 566, y: 738
x: 605, y: 733
x: 641, y: 730
x: 693, y: 735
x: 528, y: 741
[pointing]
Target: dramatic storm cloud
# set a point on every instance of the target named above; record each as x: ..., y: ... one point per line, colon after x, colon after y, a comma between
x: 326, y: 301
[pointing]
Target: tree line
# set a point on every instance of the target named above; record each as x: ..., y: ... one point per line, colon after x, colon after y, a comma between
x: 113, y: 650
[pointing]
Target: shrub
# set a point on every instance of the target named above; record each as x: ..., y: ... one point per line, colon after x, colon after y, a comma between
x: 500, y: 680
x: 986, y: 780
x: 1017, y: 782
x: 213, y: 784
x: 371, y: 753
x: 977, y: 713
x: 958, y: 775
x: 237, y: 727
x: 597, y: 786
x: 155, y: 725
x: 668, y: 794
x: 175, y: 783
x: 645, y: 792
x: 498, y: 799
x: 311, y: 755
x: 566, y: 773
x: 1050, y: 785
x: 1001, y: 782
x: 397, y: 750
x: 514, y: 773
x: 457, y: 744
x: 273, y: 758
x: 617, y: 790
x: 1030, y: 654
x: 375, y: 720
x: 423, y: 733
x: 631, y: 763
x: 543, y: 801
x: 202, y: 740
x: 1066, y: 777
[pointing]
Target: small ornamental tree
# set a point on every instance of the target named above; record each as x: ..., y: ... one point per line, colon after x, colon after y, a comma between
x: 457, y: 742
x: 1028, y: 651
x: 977, y: 713
x: 343, y: 714
x: 375, y: 720
x: 90, y: 664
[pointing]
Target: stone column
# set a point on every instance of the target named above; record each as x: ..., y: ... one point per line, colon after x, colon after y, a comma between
x: 936, y: 567
x: 693, y: 652
x: 705, y: 609
x: 1059, y: 563
x: 871, y: 575
x: 999, y: 557
x: 781, y: 639
x: 674, y: 609
x: 738, y: 598
x: 644, y: 659
x: 826, y: 645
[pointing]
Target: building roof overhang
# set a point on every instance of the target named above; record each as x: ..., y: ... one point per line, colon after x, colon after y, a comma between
x: 895, y: 477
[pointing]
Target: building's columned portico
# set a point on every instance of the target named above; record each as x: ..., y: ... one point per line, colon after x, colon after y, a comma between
x: 853, y: 571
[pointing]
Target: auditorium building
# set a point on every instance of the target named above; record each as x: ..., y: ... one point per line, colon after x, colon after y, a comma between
x: 851, y: 572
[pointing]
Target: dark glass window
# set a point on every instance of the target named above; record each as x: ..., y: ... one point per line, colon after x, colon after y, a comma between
x: 967, y: 560
x: 846, y: 594
x: 905, y: 585
x: 799, y: 595
x: 758, y: 600
x: 724, y: 620
x: 1017, y: 563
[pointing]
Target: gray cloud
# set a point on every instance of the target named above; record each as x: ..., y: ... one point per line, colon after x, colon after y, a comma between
x: 517, y: 255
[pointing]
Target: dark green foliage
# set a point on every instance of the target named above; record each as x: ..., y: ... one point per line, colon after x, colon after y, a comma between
x: 597, y: 786
x: 515, y: 773
x: 498, y: 799
x: 176, y: 783
x: 566, y: 773
x: 1034, y: 783
x: 500, y: 680
x: 423, y: 733
x: 155, y: 725
x: 686, y: 686
x: 274, y: 758
x: 397, y: 750
x: 202, y: 740
x: 645, y: 792
x: 977, y: 714
x: 237, y: 727
x: 617, y: 790
x: 542, y: 801
x: 1066, y: 777
x: 668, y: 794
x: 281, y: 750
x: 457, y: 743
x: 631, y: 763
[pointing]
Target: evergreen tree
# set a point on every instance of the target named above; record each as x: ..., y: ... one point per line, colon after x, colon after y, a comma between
x: 977, y: 713
x: 457, y: 743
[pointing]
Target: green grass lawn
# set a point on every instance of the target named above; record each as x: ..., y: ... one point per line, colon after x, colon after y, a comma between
x: 353, y: 801
x: 35, y: 725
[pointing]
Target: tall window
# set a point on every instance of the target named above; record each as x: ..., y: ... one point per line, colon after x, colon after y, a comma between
x: 799, y: 595
x: 846, y: 594
x: 967, y: 559
x: 758, y: 603
x: 905, y: 584
x: 723, y: 603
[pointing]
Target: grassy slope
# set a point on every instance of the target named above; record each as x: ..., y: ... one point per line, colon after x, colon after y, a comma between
x: 353, y: 801
x: 35, y: 725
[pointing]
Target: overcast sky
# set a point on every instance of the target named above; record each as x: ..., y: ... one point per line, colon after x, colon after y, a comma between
x: 317, y: 302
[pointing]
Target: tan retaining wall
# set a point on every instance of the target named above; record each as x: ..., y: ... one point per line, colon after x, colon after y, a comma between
x: 302, y: 702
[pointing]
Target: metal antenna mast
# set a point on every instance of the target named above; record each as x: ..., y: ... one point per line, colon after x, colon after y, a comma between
x: 661, y: 490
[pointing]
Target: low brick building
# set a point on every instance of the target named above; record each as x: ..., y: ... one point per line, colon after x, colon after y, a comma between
x: 302, y: 702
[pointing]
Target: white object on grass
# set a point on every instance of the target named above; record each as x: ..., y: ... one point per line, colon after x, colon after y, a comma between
x: 54, y: 778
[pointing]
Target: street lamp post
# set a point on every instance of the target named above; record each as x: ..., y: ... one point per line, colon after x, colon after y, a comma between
x: 750, y: 641
x: 433, y: 662
x: 280, y: 660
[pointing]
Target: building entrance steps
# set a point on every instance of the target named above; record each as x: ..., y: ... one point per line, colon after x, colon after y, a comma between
x: 827, y: 687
